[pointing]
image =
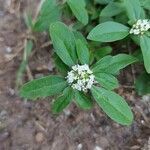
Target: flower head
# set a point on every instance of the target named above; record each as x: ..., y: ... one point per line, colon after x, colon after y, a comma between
x: 140, y: 27
x: 81, y: 77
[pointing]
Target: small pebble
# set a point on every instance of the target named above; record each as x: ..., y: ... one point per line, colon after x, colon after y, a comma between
x: 3, y: 114
x: 11, y: 91
x: 98, y: 148
x: 135, y: 147
x: 8, y: 49
x: 1, y: 13
x: 92, y: 116
x: 142, y: 121
x: 27, y: 105
x: 146, y: 98
x: 79, y: 147
x: 67, y: 112
x: 39, y: 137
x: 2, y: 125
x: 50, y: 66
x: 39, y: 75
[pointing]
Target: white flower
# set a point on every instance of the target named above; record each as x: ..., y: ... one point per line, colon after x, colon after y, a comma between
x: 75, y: 68
x: 71, y: 77
x: 77, y: 87
x: 140, y: 27
x: 81, y: 77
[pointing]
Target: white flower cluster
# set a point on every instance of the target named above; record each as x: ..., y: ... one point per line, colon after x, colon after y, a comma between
x: 80, y: 77
x: 140, y: 27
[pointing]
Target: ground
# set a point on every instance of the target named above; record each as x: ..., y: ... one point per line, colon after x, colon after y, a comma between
x: 26, y: 125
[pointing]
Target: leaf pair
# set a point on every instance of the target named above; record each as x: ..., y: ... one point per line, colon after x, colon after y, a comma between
x: 66, y: 98
x: 105, y: 69
x: 73, y: 49
x: 63, y: 40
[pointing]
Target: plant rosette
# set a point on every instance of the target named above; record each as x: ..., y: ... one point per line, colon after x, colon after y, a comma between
x: 80, y: 81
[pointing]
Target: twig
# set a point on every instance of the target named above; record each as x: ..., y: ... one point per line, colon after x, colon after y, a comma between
x: 128, y: 86
x: 40, y: 126
x: 37, y: 11
x: 142, y: 113
x: 29, y: 73
x: 46, y: 44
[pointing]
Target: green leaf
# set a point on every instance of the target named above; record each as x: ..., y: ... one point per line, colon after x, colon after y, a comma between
x: 60, y: 66
x: 49, y: 13
x: 145, y: 4
x: 78, y: 26
x: 114, y: 64
x: 62, y: 101
x: 64, y: 43
x: 78, y: 8
x: 103, y: 51
x: 133, y: 9
x: 103, y: 1
x: 78, y: 35
x: 102, y: 63
x: 107, y: 81
x: 28, y: 49
x: 136, y: 39
x: 114, y: 7
x: 82, y: 100
x: 28, y: 20
x: 119, y: 62
x: 121, y: 18
x: 143, y: 13
x: 103, y: 19
x: 62, y: 52
x: 46, y: 86
x: 142, y: 84
x: 145, y: 47
x: 138, y: 55
x: 83, y: 52
x: 108, y: 32
x: 113, y: 105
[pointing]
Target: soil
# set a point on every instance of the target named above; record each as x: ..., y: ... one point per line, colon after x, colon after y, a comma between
x: 30, y: 125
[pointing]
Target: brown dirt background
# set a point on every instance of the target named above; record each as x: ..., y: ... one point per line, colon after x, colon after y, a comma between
x: 26, y: 125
